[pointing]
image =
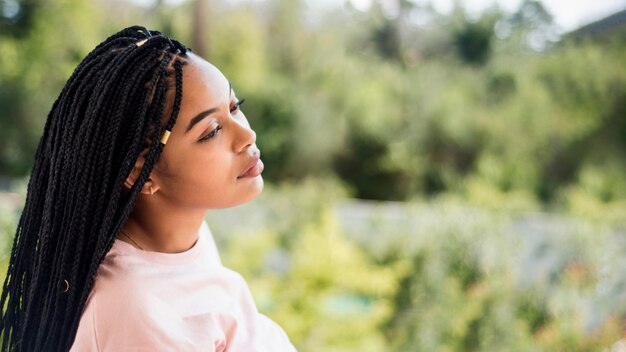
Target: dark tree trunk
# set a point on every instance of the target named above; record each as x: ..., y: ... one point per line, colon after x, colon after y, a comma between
x: 200, y: 31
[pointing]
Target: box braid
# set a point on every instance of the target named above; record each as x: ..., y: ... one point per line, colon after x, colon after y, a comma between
x: 110, y: 112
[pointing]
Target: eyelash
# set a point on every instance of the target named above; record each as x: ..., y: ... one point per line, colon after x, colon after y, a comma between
x: 237, y: 105
x: 210, y: 135
x: 214, y: 132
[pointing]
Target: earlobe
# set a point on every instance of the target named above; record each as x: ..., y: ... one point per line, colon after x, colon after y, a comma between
x: 152, y: 188
x: 149, y: 187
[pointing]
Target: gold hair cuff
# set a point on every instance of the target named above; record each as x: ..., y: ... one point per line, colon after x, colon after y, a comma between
x: 165, y: 136
x: 140, y: 43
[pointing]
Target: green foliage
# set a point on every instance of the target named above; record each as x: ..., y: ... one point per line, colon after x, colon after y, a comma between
x: 8, y: 225
x: 33, y: 68
x: 306, y: 274
x: 9, y: 218
x: 474, y: 43
x: 468, y: 270
x: 327, y: 97
x: 389, y: 111
x: 350, y: 276
x: 16, y: 16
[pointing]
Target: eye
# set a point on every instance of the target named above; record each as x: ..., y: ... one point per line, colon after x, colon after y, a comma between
x: 210, y: 135
x: 237, y: 105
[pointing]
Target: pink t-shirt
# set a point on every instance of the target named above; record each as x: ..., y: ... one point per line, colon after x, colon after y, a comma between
x: 153, y: 301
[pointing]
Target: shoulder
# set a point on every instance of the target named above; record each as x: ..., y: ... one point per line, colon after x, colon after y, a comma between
x: 110, y: 316
x: 110, y: 300
x: 138, y: 321
x: 86, y: 339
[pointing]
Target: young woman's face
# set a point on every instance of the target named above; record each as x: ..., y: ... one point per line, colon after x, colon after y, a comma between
x: 210, y: 147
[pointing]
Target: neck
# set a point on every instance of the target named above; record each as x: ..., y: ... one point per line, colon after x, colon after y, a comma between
x: 159, y: 227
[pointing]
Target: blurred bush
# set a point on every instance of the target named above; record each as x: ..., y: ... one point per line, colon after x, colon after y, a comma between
x: 343, y: 275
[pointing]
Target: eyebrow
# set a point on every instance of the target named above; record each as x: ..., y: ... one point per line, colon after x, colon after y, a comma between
x: 204, y: 114
x: 200, y: 117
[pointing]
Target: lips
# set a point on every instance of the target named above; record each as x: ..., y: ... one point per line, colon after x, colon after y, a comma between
x: 254, y: 167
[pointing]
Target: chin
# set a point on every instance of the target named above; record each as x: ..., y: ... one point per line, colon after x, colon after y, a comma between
x: 253, y: 191
x: 256, y: 189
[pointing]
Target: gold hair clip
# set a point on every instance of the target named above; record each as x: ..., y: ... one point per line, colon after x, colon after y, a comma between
x: 165, y: 136
x: 140, y: 43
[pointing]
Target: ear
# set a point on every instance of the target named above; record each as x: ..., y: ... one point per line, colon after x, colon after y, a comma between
x: 149, y: 187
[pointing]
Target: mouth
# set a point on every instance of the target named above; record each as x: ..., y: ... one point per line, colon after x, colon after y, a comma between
x: 253, y: 169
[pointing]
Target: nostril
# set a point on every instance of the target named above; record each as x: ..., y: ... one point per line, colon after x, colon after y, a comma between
x: 245, y: 137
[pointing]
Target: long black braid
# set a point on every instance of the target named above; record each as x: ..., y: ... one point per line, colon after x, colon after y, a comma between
x: 112, y: 109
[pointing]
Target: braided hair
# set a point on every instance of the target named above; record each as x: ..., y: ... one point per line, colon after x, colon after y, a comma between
x: 111, y: 111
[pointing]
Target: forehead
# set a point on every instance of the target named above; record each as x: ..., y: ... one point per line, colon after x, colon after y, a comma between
x: 204, y: 86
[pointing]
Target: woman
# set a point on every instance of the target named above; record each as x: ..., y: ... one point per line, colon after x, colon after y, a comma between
x: 111, y: 251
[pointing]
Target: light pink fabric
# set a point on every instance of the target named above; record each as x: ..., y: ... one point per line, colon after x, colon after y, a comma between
x: 152, y: 301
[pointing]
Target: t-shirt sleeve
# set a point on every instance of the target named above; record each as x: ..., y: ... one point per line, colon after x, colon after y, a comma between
x: 85, y: 340
x: 245, y: 327
x: 273, y: 335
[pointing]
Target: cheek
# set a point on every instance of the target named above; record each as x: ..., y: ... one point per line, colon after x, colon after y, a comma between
x: 205, y: 176
x: 206, y: 173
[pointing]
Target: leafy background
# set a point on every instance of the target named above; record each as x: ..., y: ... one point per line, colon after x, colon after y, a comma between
x: 433, y: 182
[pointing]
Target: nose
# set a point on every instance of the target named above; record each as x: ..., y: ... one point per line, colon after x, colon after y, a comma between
x: 245, y: 136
